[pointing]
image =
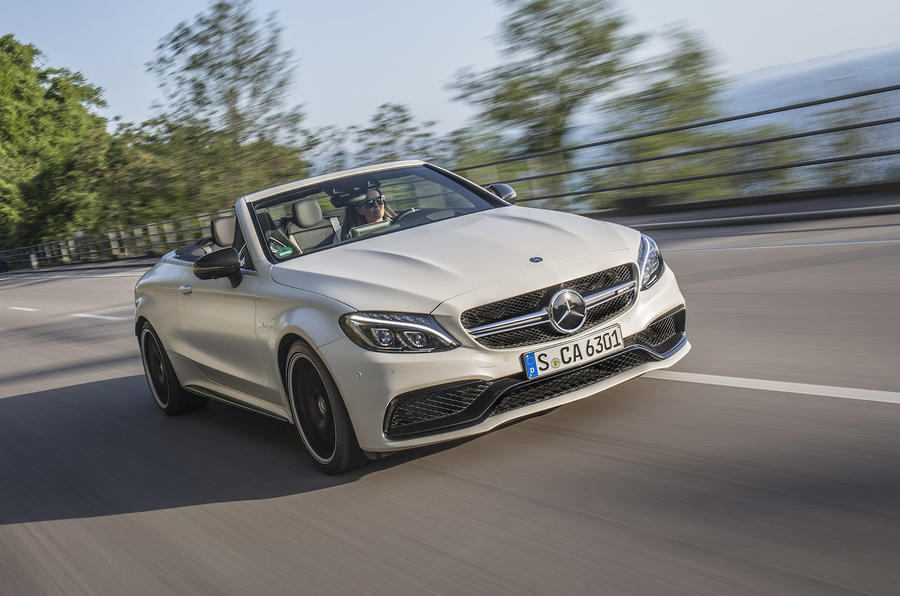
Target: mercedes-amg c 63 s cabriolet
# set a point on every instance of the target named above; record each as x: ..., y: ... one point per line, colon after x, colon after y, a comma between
x: 400, y: 305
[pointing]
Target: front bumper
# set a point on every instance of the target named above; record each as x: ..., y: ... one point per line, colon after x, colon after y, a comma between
x: 398, y: 401
x: 435, y: 409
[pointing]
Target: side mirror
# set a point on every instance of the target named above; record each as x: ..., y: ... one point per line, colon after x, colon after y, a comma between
x: 222, y: 263
x: 504, y: 191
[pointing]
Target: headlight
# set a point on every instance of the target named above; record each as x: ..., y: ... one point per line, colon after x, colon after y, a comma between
x: 650, y: 262
x: 396, y: 332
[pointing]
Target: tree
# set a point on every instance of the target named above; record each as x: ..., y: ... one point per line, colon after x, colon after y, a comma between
x: 52, y: 147
x: 327, y: 148
x: 560, y: 55
x: 848, y: 142
x: 675, y: 88
x: 679, y: 87
x: 393, y: 133
x: 228, y: 71
x: 225, y: 130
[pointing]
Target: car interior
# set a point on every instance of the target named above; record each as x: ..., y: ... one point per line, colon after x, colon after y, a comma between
x: 312, y: 218
x: 223, y: 232
x: 307, y: 227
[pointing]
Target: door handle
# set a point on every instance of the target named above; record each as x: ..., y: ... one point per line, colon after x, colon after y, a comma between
x: 185, y: 290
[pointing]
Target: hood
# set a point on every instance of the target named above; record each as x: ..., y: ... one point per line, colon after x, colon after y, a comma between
x: 414, y: 270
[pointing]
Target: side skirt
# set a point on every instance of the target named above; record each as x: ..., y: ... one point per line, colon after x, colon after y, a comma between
x: 271, y: 413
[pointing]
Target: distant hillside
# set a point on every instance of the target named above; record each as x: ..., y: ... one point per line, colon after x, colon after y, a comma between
x: 823, y: 77
x: 787, y: 84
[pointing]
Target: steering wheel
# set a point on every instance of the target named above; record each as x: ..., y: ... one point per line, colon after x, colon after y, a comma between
x: 405, y: 213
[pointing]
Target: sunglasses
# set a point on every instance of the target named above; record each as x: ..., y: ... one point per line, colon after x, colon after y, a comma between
x: 369, y: 203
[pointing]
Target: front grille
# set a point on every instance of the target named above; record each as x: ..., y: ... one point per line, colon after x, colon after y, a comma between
x: 524, y: 304
x: 567, y: 382
x: 608, y: 310
x: 545, y: 332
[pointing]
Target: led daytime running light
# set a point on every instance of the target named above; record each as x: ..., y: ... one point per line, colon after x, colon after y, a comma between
x: 396, y: 332
x: 650, y: 262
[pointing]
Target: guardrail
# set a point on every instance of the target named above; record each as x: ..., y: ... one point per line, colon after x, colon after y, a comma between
x: 566, y: 174
x: 160, y: 237
x: 134, y: 241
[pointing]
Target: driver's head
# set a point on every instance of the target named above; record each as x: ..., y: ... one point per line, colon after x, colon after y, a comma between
x: 372, y: 207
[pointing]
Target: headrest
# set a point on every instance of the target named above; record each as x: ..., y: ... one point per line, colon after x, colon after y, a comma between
x: 222, y: 230
x: 308, y: 213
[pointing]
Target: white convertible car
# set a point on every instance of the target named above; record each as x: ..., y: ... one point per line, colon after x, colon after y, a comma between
x: 401, y: 305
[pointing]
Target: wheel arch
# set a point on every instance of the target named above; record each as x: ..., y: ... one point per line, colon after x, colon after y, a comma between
x: 139, y: 324
x: 284, y: 345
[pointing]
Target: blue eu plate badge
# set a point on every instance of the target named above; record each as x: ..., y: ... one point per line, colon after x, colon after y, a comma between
x: 531, y: 370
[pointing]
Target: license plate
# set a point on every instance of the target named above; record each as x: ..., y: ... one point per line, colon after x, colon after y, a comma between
x: 573, y: 353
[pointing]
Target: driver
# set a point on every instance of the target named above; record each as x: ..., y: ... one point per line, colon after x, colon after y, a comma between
x: 366, y: 209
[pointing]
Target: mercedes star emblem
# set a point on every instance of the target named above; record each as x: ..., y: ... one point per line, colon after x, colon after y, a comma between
x: 567, y: 311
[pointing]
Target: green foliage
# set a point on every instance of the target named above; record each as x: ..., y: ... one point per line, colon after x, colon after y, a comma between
x: 224, y: 132
x: 228, y: 72
x: 173, y: 170
x: 848, y: 142
x: 559, y: 55
x: 674, y: 89
x: 393, y: 134
x: 52, y: 147
x: 328, y: 148
x: 224, y: 128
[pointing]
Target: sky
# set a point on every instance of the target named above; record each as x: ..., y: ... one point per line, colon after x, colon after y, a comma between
x: 357, y: 54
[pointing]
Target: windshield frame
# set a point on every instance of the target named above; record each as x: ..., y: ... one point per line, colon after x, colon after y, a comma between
x: 489, y: 200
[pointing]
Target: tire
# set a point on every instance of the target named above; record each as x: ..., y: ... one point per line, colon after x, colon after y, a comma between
x: 319, y: 413
x: 167, y: 392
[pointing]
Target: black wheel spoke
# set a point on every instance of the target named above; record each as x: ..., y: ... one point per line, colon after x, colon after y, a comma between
x: 156, y: 369
x: 313, y: 406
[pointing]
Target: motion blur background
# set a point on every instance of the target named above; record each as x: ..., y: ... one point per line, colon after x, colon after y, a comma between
x: 116, y: 114
x: 765, y: 462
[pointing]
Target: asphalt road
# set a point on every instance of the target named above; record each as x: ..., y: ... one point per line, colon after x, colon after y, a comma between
x: 767, y: 463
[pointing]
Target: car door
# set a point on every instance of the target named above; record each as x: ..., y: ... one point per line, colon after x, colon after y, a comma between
x: 218, y: 324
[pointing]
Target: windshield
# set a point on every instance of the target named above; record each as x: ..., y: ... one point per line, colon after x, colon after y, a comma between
x: 355, y: 208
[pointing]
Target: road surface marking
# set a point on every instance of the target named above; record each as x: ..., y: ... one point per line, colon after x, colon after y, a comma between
x: 102, y: 317
x: 17, y: 285
x: 23, y: 308
x: 33, y: 279
x: 890, y: 397
x: 796, y: 245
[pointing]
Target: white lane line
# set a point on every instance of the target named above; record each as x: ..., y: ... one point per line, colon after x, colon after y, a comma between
x: 796, y: 245
x: 18, y: 285
x: 23, y: 308
x: 30, y: 280
x: 101, y: 317
x: 133, y: 274
x: 890, y: 397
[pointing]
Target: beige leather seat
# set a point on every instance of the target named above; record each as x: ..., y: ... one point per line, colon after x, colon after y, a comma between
x: 308, y: 228
x: 222, y: 231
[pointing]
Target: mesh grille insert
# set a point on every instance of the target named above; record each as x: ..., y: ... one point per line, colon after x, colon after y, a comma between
x: 567, y: 382
x: 657, y: 333
x: 435, y: 404
x: 533, y: 301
